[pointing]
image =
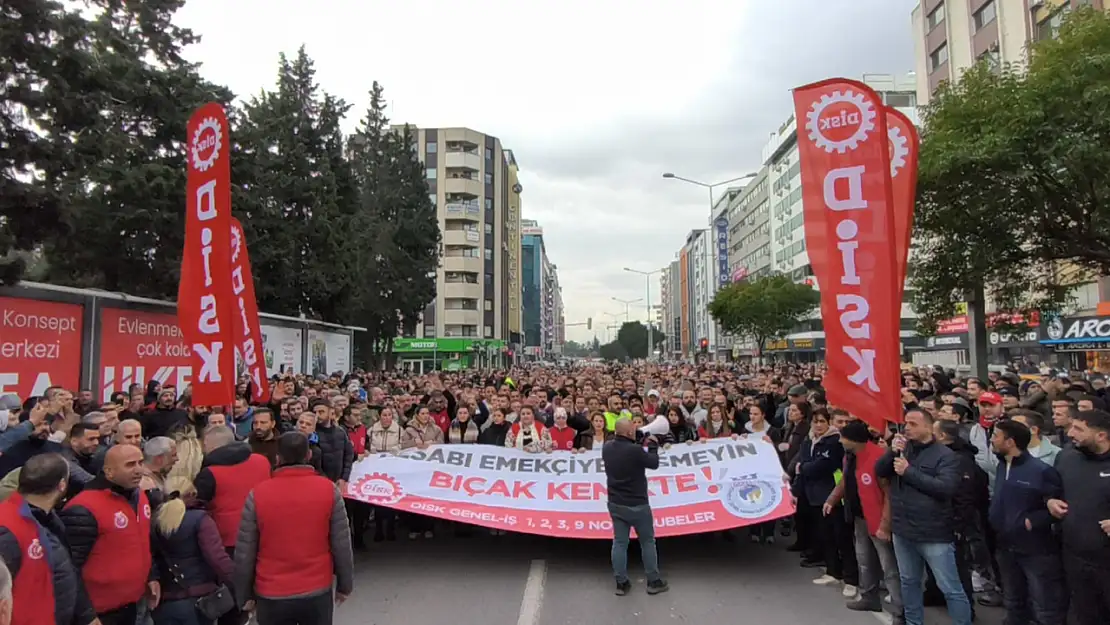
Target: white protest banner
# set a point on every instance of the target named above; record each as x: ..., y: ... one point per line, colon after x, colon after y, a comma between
x: 703, y: 487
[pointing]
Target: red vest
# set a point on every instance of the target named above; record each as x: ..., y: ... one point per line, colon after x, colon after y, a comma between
x: 358, y: 439
x: 562, y: 438
x: 294, y: 549
x: 118, y: 568
x: 871, y: 496
x: 233, y: 483
x: 33, y: 586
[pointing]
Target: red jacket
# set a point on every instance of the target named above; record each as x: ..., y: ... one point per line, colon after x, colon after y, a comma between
x: 562, y: 438
x: 294, y: 555
x: 442, y: 420
x: 118, y: 566
x: 871, y: 496
x: 357, y: 435
x: 227, y: 477
x: 33, y: 585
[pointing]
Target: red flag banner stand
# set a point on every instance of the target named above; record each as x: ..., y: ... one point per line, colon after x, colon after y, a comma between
x: 850, y: 236
x: 903, y: 147
x: 204, y: 296
x: 248, y: 333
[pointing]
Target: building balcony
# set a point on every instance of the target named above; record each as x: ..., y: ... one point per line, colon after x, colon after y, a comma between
x: 463, y: 211
x: 463, y: 159
x: 462, y: 290
x: 460, y: 317
x: 468, y: 238
x: 471, y: 187
x: 467, y: 264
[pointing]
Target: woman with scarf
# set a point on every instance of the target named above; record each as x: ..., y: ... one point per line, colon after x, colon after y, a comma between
x: 716, y: 425
x: 681, y: 430
x: 384, y: 438
x: 527, y: 434
x: 495, y: 430
x: 595, y: 436
x: 463, y: 429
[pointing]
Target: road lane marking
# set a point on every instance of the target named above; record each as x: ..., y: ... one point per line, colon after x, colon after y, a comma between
x: 532, y: 603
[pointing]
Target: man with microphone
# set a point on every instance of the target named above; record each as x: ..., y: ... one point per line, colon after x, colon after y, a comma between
x: 626, y: 465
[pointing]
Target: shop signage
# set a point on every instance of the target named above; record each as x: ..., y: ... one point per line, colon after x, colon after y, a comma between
x: 1086, y: 346
x: 946, y: 341
x: 1005, y: 338
x: 721, y: 225
x: 1072, y: 330
x: 444, y: 344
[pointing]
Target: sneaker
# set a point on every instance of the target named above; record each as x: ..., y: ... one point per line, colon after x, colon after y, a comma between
x: 429, y: 534
x: 860, y: 604
x: 849, y: 591
x: 413, y: 535
x: 623, y: 588
x: 658, y: 586
x: 990, y: 599
x: 770, y: 540
x: 886, y: 598
x: 826, y: 580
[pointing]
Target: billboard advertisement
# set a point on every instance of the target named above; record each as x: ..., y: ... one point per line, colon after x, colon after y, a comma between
x: 721, y: 226
x: 328, y: 352
x: 282, y: 348
x: 40, y: 346
x: 138, y: 346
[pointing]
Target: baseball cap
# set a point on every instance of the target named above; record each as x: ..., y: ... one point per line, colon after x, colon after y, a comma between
x: 990, y: 398
x: 653, y: 393
x: 10, y: 402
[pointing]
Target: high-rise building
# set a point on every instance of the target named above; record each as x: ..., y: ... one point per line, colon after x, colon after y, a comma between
x: 542, y: 302
x: 468, y: 178
x: 514, y: 240
x: 952, y: 35
x: 670, y: 308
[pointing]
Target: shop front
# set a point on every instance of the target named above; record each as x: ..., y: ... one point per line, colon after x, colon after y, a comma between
x: 449, y: 354
x: 802, y: 349
x: 1079, y: 343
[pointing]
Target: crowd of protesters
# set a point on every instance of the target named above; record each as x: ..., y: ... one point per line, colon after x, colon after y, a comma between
x: 992, y: 492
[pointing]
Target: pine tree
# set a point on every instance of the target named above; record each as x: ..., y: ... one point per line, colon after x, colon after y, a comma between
x: 417, y: 237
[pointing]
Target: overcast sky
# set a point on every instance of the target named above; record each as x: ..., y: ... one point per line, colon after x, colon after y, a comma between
x: 597, y: 99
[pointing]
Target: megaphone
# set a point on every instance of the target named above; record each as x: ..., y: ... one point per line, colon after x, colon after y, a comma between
x: 658, y: 427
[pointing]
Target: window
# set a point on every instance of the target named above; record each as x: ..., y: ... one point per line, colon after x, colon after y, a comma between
x: 489, y: 229
x: 432, y: 147
x: 489, y: 178
x: 901, y: 100
x: 489, y: 279
x: 938, y: 57
x: 489, y: 202
x: 429, y: 331
x: 489, y: 154
x: 489, y: 254
x: 935, y: 18
x: 489, y: 304
x: 431, y: 173
x: 1050, y: 28
x: 432, y: 198
x: 994, y: 62
x: 985, y: 15
x: 489, y: 331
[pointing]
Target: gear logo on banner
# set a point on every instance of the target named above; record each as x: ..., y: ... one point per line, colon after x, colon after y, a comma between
x: 208, y: 139
x: 378, y: 488
x: 899, y: 149
x: 751, y: 499
x: 840, y: 121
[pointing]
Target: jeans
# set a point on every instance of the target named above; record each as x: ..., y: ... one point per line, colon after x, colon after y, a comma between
x: 1090, y: 590
x: 179, y: 612
x: 1034, y: 588
x: 941, y: 560
x: 640, y: 518
x: 314, y: 610
x: 876, y: 560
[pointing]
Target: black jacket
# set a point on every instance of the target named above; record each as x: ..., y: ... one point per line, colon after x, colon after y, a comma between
x: 1086, y: 480
x: 81, y: 527
x: 1021, y: 488
x: 338, y: 452
x: 71, y: 604
x: 921, y: 499
x: 626, y: 465
x: 227, y: 456
x: 160, y: 421
x: 18, y: 454
x: 495, y: 434
x: 973, y: 494
x: 819, y: 460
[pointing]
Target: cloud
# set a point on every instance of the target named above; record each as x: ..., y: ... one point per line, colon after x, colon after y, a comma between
x: 596, y: 99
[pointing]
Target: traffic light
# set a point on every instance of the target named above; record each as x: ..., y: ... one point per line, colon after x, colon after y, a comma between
x: 704, y: 345
x: 589, y: 323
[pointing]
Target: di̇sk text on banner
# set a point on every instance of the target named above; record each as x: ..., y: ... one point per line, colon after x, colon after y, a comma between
x: 204, y: 296
x: 703, y: 487
x: 849, y: 227
x: 248, y: 333
x: 903, y: 147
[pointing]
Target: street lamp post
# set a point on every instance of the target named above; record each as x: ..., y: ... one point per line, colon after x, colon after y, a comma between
x: 708, y: 248
x: 627, y: 303
x: 647, y: 278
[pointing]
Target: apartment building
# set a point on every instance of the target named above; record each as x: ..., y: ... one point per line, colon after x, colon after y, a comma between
x: 542, y: 297
x: 952, y: 35
x: 514, y: 240
x: 468, y: 178
x: 670, y: 308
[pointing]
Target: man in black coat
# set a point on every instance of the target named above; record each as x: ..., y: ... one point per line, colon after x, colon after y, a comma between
x: 626, y: 465
x: 42, y: 484
x: 335, y: 445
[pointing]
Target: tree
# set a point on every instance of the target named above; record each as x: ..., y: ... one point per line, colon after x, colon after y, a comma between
x: 764, y: 308
x: 633, y: 337
x: 613, y: 351
x: 1014, y: 179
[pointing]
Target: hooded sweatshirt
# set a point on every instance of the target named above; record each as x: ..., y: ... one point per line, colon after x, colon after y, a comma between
x: 1046, y: 452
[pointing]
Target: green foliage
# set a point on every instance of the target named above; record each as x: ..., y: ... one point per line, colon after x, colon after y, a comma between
x: 96, y: 99
x: 763, y: 308
x: 613, y: 351
x: 1014, y: 179
x: 574, y: 349
x: 632, y: 336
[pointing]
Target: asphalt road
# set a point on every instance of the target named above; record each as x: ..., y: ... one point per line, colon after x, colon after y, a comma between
x: 530, y: 580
